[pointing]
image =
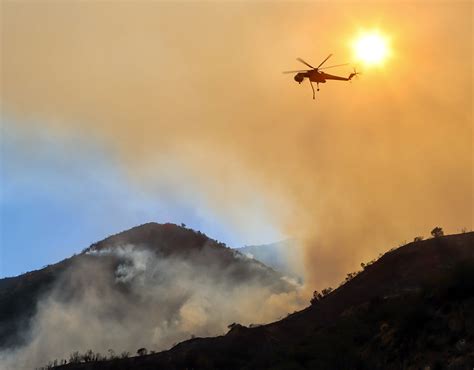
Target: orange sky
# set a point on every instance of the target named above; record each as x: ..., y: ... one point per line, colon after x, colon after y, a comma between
x: 198, y: 87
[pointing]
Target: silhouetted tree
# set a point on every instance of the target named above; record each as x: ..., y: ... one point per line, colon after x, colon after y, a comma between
x: 88, y: 356
x: 74, y: 358
x: 142, y: 351
x: 316, y: 297
x: 231, y: 326
x: 418, y: 239
x: 351, y: 275
x: 326, y: 291
x: 437, y: 232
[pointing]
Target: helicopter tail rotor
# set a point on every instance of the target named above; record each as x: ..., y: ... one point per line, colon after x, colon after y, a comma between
x: 354, y: 74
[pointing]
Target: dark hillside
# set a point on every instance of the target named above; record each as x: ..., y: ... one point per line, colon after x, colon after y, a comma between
x: 18, y: 298
x: 411, y: 309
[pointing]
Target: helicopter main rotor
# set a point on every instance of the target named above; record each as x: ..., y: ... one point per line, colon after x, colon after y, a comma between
x: 315, y: 68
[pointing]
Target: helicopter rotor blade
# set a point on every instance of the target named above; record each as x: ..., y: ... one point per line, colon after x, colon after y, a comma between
x: 302, y: 61
x: 324, y: 61
x: 337, y: 65
x: 301, y: 70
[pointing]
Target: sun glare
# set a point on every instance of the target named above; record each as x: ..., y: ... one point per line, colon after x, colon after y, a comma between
x: 371, y: 48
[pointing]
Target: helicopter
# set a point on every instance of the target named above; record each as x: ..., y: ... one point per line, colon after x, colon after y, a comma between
x: 314, y: 74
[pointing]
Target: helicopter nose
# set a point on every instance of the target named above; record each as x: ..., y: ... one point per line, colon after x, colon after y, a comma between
x: 298, y: 78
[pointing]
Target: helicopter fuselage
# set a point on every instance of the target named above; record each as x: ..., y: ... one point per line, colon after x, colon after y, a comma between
x: 319, y: 77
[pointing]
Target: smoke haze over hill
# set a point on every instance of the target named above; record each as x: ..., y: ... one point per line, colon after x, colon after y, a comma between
x: 190, y: 97
x: 124, y: 297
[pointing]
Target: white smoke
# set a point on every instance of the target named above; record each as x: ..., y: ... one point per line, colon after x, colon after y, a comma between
x: 125, y: 298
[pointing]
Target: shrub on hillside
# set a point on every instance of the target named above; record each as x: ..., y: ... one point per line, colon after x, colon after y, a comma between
x: 437, y: 232
x: 142, y: 351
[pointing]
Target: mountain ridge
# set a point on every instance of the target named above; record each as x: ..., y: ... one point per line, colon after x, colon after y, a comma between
x: 19, y: 296
x: 371, y: 321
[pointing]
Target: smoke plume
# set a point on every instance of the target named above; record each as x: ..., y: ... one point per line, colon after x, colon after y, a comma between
x: 190, y: 96
x: 126, y: 298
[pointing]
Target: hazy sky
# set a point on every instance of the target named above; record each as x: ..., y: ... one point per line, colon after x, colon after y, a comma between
x: 185, y: 104
x: 56, y: 201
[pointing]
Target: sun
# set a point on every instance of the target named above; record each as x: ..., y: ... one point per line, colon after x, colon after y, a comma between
x: 371, y: 48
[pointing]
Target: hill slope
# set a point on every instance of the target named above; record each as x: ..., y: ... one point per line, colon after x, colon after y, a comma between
x: 411, y: 309
x: 153, y: 285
